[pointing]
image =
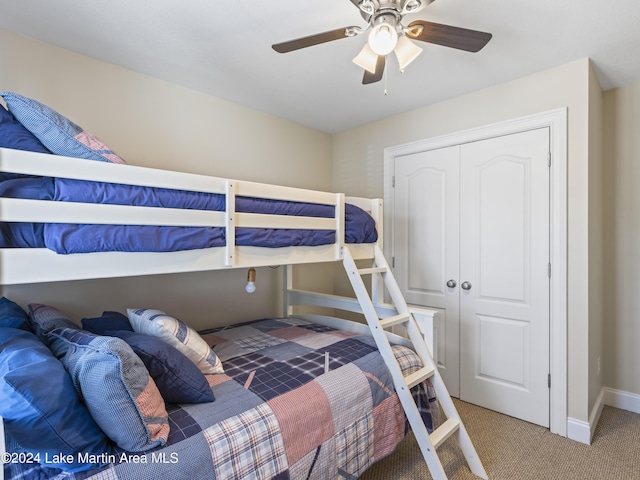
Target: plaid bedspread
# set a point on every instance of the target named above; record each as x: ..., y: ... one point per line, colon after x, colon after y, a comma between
x: 297, y: 401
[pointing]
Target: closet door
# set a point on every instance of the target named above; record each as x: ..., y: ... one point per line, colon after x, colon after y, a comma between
x: 426, y: 232
x: 477, y: 215
x: 504, y: 282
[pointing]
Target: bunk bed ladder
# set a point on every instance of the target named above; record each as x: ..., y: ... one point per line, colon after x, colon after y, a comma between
x: 453, y: 426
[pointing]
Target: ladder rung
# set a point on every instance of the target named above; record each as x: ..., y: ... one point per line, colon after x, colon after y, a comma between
x: 396, y: 319
x: 369, y: 271
x: 444, y: 431
x: 418, y: 376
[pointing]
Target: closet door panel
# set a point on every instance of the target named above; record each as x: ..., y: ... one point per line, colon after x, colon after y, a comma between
x: 426, y: 223
x: 504, y: 255
x: 501, y: 229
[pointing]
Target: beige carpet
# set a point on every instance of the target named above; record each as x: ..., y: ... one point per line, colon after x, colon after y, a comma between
x: 511, y: 449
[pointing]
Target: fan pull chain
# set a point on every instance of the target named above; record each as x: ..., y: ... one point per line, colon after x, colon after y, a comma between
x: 385, y: 82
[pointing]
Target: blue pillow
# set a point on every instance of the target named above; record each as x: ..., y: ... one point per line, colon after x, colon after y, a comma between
x: 107, y: 322
x: 14, y: 135
x: 12, y: 315
x: 40, y: 406
x: 56, y: 132
x: 177, y: 377
x: 116, y: 387
x: 43, y: 319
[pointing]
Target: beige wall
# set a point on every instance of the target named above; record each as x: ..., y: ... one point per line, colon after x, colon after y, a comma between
x: 596, y: 239
x: 157, y: 124
x: 622, y: 239
x: 358, y: 170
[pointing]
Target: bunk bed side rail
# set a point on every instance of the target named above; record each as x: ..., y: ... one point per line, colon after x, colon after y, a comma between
x: 16, y: 265
x: 42, y: 164
x: 426, y: 318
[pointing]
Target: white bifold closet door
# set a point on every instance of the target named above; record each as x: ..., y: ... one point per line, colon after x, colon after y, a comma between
x: 471, y: 238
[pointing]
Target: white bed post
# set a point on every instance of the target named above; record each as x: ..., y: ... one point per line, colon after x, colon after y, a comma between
x: 230, y: 222
x: 287, y: 286
x: 340, y: 228
x: 377, y: 287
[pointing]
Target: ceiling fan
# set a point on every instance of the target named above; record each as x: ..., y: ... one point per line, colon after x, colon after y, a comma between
x: 387, y: 34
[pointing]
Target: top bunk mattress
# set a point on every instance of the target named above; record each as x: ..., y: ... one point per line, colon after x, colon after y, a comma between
x: 67, y: 238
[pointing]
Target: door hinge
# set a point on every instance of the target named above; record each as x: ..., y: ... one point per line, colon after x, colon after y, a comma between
x: 549, y: 270
x: 393, y: 262
x: 548, y: 159
x: 393, y: 181
x: 549, y: 380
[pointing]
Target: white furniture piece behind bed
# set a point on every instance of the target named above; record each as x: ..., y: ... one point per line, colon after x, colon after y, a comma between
x: 16, y: 264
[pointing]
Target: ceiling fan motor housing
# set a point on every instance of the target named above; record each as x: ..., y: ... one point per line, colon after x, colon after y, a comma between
x: 372, y: 9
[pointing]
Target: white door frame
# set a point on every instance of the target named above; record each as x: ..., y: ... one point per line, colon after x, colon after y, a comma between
x: 556, y: 120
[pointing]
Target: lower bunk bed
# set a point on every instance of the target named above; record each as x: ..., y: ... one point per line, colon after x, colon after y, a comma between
x: 276, y: 398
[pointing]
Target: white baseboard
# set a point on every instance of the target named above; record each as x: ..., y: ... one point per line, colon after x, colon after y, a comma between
x: 578, y: 430
x: 620, y: 399
x: 582, y: 431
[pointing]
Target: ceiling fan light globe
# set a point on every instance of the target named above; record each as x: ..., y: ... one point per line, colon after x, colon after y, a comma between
x: 406, y: 52
x: 383, y: 38
x: 366, y: 59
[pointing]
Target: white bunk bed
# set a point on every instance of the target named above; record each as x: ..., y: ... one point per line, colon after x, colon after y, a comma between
x: 16, y: 264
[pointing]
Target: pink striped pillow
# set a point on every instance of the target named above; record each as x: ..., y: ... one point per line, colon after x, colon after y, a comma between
x: 56, y: 132
x: 115, y: 385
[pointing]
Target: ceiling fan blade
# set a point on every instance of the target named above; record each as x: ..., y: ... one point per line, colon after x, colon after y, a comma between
x: 448, y: 36
x: 316, y: 39
x: 377, y: 75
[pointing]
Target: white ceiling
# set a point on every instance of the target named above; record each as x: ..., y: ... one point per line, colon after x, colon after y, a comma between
x: 223, y: 48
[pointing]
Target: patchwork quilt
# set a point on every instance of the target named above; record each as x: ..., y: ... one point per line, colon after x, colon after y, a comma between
x: 297, y: 401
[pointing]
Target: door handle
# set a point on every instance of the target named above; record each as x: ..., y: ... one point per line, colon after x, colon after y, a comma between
x: 451, y: 284
x: 466, y: 285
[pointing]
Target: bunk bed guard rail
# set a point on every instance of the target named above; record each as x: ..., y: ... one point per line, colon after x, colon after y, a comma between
x: 16, y: 265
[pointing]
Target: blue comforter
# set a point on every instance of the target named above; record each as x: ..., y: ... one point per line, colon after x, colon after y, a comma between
x: 73, y: 238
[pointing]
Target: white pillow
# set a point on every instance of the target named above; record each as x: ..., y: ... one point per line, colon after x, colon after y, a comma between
x: 178, y: 335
